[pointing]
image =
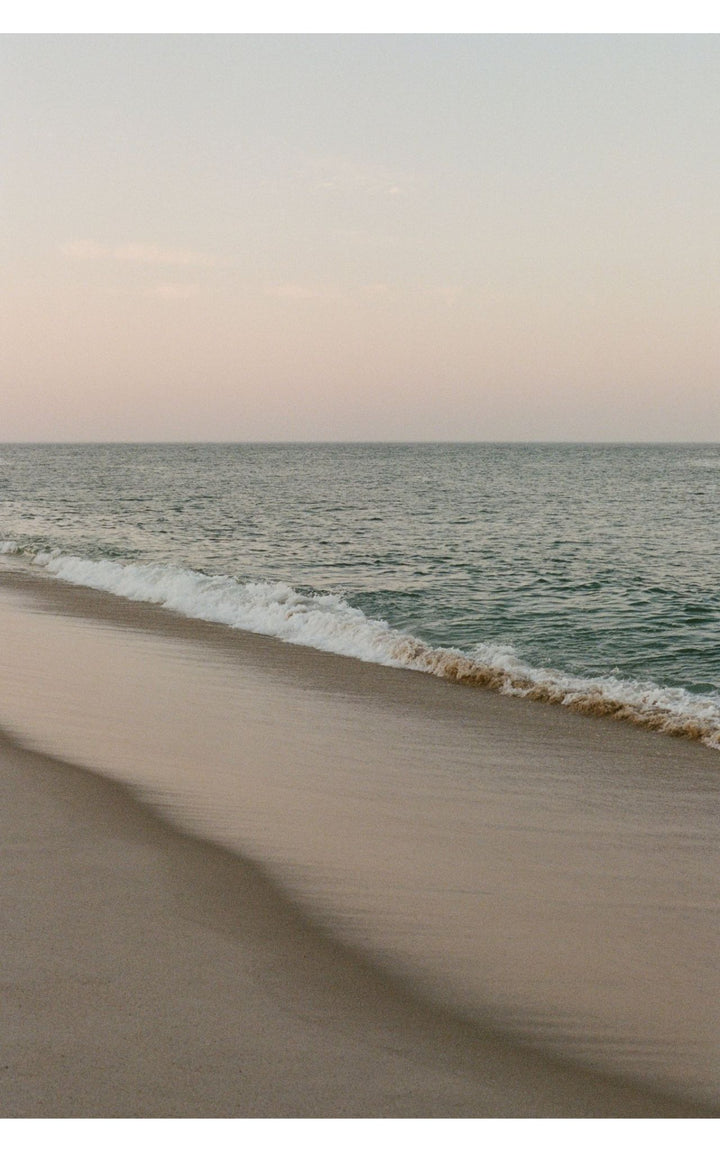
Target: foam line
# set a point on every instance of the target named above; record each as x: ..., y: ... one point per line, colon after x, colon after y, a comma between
x: 327, y: 622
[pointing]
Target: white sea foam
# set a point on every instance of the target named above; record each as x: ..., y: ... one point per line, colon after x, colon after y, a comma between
x: 7, y: 547
x: 327, y: 622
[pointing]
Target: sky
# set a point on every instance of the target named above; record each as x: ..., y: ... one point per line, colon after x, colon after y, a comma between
x: 359, y: 237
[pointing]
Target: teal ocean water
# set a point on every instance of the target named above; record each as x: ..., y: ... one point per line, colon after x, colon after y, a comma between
x: 584, y: 574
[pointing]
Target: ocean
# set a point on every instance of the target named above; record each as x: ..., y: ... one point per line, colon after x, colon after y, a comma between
x: 511, y: 827
x: 583, y: 574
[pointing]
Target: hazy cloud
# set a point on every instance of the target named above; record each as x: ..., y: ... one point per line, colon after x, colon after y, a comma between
x: 298, y: 291
x: 339, y: 174
x: 172, y: 291
x: 376, y: 290
x: 135, y: 253
x: 84, y: 250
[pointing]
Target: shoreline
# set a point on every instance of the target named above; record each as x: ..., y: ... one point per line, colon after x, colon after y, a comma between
x: 226, y: 942
x: 293, y: 618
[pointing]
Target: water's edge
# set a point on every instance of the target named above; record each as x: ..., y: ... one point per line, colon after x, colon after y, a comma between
x: 328, y: 623
x: 301, y: 771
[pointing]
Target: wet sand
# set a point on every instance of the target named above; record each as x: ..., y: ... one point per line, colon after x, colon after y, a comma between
x: 149, y: 972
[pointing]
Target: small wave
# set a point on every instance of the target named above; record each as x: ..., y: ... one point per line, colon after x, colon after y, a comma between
x: 327, y: 622
x: 711, y: 462
x: 8, y: 547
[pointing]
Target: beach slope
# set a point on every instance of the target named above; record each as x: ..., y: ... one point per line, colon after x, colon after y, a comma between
x: 147, y: 973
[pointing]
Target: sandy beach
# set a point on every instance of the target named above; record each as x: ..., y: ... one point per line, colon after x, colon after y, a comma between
x: 149, y: 972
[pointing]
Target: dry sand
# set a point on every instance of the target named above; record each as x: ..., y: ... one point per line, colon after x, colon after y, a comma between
x: 146, y: 973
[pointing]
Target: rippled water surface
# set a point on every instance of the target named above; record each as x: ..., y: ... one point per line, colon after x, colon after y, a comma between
x: 593, y: 559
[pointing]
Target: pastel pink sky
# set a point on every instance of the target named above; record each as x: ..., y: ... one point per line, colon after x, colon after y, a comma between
x: 360, y: 238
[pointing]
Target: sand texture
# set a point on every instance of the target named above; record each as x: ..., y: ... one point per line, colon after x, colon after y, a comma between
x: 148, y: 971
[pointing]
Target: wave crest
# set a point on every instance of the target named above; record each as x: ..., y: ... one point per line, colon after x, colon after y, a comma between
x: 327, y: 622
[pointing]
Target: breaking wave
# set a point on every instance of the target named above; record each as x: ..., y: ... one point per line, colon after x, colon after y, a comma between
x: 327, y: 622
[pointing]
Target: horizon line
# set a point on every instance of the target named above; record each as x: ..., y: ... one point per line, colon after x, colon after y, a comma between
x: 349, y: 443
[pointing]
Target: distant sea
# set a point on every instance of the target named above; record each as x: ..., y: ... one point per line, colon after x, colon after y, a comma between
x: 584, y: 574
